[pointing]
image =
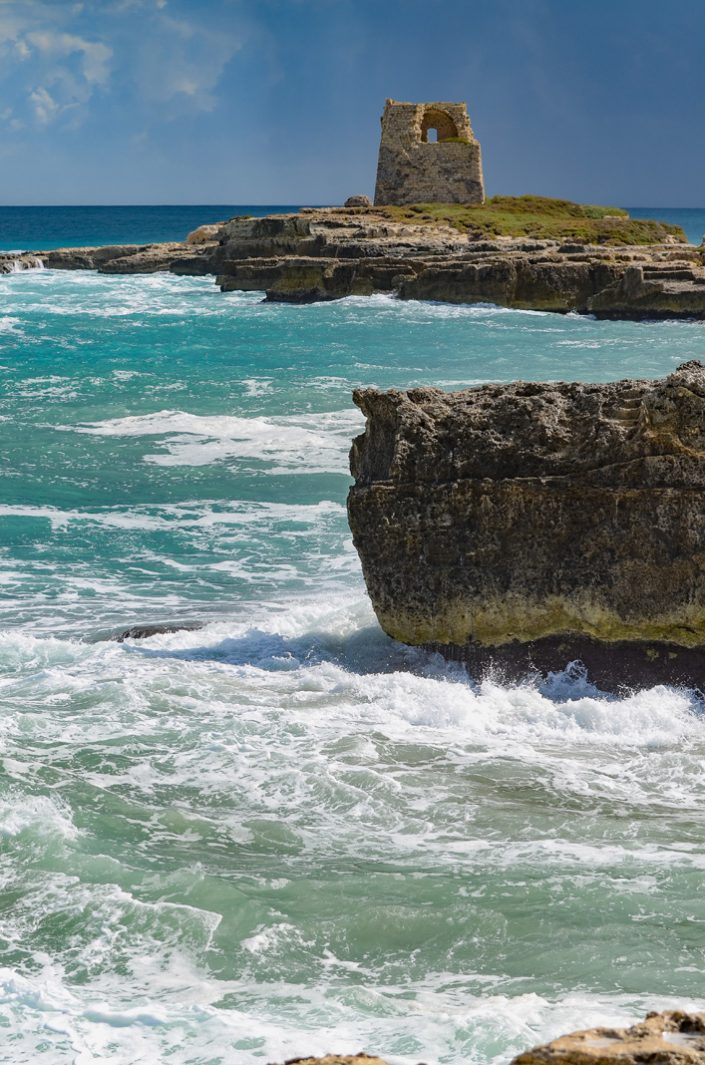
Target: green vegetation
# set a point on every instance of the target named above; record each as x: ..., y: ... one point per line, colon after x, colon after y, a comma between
x: 540, y: 217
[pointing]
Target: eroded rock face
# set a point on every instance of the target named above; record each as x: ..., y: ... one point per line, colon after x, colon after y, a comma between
x: 13, y: 264
x: 671, y: 1038
x: 131, y: 258
x: 539, y: 523
x: 329, y: 253
x: 175, y: 257
x: 653, y: 291
x: 208, y: 233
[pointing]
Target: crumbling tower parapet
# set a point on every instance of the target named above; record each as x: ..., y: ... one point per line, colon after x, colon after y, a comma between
x: 428, y: 154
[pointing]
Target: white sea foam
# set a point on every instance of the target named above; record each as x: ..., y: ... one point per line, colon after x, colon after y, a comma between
x: 257, y: 386
x: 60, y: 518
x: 126, y: 375
x: 9, y: 324
x: 38, y: 815
x: 287, y: 443
x: 344, y: 763
x: 441, y: 1023
x: 431, y: 309
x: 60, y: 294
x: 198, y: 514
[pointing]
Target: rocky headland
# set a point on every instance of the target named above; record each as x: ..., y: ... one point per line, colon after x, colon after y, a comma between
x: 524, y: 252
x: 527, y: 525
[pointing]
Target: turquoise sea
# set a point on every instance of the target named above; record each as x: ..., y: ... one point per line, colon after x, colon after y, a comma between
x: 40, y: 228
x: 282, y: 833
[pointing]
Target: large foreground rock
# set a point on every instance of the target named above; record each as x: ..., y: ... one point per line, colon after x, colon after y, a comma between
x: 671, y: 1038
x: 532, y: 524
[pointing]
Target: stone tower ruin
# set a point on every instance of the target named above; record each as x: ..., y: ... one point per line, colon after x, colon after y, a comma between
x: 428, y: 154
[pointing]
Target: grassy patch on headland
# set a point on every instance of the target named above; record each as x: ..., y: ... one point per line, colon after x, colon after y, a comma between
x: 540, y: 217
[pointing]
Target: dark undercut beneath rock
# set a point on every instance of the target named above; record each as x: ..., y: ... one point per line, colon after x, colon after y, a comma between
x: 609, y: 665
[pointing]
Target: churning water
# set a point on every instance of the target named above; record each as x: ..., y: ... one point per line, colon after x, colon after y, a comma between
x: 283, y: 833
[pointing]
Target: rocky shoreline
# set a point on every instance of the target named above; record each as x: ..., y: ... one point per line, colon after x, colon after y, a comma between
x: 328, y: 253
x: 521, y: 527
x: 670, y: 1038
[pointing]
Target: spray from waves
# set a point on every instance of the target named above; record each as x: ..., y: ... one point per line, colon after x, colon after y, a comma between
x: 40, y: 815
x: 443, y: 1025
x: 20, y: 265
x: 332, y: 646
x: 47, y: 294
x: 431, y: 309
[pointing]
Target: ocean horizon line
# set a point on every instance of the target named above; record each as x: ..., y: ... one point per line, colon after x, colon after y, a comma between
x: 112, y: 206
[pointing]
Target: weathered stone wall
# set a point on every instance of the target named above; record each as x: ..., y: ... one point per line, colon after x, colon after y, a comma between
x: 413, y: 169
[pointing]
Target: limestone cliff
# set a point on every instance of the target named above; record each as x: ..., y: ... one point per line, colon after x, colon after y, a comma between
x: 536, y: 523
x: 324, y: 254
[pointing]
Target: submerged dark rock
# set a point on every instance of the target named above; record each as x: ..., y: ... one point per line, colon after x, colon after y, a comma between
x: 528, y: 525
x: 143, y: 632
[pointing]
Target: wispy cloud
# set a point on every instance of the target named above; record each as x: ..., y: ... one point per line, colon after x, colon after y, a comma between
x: 45, y: 106
x: 186, y: 65
x: 57, y: 59
x: 93, y: 56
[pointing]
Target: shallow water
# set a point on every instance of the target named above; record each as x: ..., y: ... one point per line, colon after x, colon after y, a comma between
x: 283, y: 833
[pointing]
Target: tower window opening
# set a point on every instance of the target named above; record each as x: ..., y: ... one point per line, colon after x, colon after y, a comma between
x: 437, y: 126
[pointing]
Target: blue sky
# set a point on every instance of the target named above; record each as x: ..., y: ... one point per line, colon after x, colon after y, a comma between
x: 278, y: 101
